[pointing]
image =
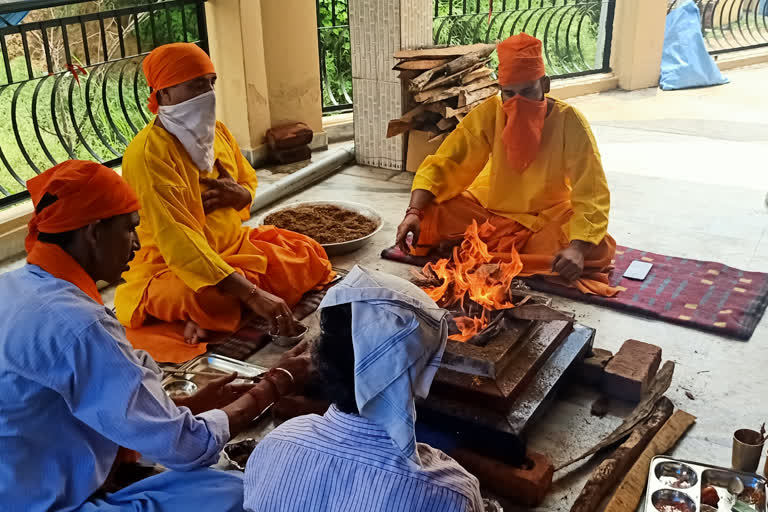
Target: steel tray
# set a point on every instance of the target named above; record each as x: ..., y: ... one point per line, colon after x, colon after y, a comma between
x: 181, y: 384
x: 677, y: 485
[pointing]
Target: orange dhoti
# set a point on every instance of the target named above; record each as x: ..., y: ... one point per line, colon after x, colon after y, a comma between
x: 446, y: 223
x: 296, y: 264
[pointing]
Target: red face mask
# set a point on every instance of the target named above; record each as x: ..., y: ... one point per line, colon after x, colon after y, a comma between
x: 522, y: 133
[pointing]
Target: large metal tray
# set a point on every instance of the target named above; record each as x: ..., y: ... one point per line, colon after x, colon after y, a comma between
x: 185, y: 384
x: 679, y: 483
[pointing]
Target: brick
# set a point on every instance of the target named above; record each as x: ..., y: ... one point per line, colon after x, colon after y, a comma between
x: 631, y: 370
x: 522, y: 486
x: 592, y: 368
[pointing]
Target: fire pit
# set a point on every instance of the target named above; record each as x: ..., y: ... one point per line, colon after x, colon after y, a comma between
x: 507, y: 348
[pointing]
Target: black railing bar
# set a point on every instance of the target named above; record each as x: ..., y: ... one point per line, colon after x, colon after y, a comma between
x: 75, y: 124
x: 4, y: 191
x: 329, y: 27
x: 557, y: 35
x: 168, y: 28
x: 16, y: 132
x: 15, y: 198
x: 27, y: 59
x: 137, y: 32
x: 337, y: 108
x: 184, y: 22
x: 737, y: 49
x: 56, y: 127
x: 202, y: 31
x: 126, y: 115
x: 119, y: 22
x: 36, y: 123
x: 33, y: 5
x: 136, y: 91
x: 333, y: 12
x: 86, y: 48
x: 608, y: 35
x: 584, y: 15
x: 6, y: 60
x: 108, y: 112
x: 89, y: 110
x: 152, y: 27
x: 65, y: 43
x: 103, y: 31
x: 48, y: 60
x: 738, y: 21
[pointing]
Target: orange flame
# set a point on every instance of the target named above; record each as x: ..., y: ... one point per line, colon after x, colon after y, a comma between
x: 471, y: 273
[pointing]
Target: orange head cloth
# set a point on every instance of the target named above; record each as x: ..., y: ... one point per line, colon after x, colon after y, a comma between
x: 85, y: 192
x: 520, y: 59
x: 172, y: 64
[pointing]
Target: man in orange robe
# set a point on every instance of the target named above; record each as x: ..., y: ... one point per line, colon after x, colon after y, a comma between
x: 199, y: 266
x: 527, y: 164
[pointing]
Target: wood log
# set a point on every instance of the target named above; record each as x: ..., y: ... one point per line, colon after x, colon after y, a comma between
x: 444, y: 93
x: 397, y: 127
x: 476, y: 75
x: 437, y: 107
x: 446, y: 52
x: 419, y: 65
x: 472, y: 96
x: 413, y: 113
x: 453, y: 67
x: 440, y: 137
x: 631, y: 489
x: 660, y: 386
x: 605, y: 476
x: 447, y: 124
x: 408, y: 74
x: 461, y: 111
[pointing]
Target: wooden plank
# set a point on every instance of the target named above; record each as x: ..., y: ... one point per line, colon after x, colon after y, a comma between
x: 605, y: 476
x: 461, y: 111
x: 451, y: 68
x: 397, y: 127
x: 419, y: 65
x: 413, y: 113
x: 444, y: 93
x: 632, y: 488
x: 440, y: 137
x: 408, y: 74
x: 660, y: 386
x: 476, y: 75
x: 447, y: 124
x: 447, y: 52
x: 447, y: 81
x: 473, y: 96
x: 437, y: 107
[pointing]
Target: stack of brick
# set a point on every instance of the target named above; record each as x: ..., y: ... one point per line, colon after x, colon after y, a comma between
x: 290, y: 143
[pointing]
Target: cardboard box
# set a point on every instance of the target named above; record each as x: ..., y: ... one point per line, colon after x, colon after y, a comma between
x: 419, y: 148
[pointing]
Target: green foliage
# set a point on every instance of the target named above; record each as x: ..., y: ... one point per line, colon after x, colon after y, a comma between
x: 335, y: 52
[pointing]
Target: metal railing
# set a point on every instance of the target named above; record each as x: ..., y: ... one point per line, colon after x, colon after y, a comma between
x: 71, y: 84
x: 731, y: 25
x: 335, y: 56
x: 576, y: 34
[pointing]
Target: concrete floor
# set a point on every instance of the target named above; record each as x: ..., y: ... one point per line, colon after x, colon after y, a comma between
x: 688, y: 177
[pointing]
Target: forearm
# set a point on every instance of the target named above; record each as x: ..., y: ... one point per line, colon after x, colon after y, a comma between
x: 243, y: 410
x: 420, y: 199
x: 582, y: 246
x: 236, y: 285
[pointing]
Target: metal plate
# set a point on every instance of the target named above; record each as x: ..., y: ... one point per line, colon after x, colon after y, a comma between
x: 343, y: 247
x: 209, y: 363
x: 675, y: 483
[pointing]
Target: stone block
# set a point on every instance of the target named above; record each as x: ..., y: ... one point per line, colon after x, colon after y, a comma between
x: 628, y: 374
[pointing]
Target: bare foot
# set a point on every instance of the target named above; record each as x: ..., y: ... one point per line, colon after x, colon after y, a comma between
x: 193, y: 334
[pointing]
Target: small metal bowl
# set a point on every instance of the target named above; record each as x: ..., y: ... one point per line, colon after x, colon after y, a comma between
x: 180, y: 388
x: 290, y: 341
x: 676, y: 475
x: 665, y: 498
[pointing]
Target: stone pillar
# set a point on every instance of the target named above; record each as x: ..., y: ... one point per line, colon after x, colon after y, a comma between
x: 638, y: 40
x: 268, y: 68
x: 378, y: 28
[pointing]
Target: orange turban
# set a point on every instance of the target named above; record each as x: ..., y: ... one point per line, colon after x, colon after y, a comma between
x: 520, y: 59
x: 85, y: 192
x: 172, y: 64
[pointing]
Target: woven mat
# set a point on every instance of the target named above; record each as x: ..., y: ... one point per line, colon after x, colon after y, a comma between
x: 702, y: 295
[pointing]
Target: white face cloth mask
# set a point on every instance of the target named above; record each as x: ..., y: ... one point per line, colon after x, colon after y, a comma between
x: 193, y: 122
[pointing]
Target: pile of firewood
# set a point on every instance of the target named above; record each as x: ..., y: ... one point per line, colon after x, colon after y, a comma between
x: 445, y: 84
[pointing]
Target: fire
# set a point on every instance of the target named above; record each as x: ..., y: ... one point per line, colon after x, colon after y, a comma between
x: 470, y: 273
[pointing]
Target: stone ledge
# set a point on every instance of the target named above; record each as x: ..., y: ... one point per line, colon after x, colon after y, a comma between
x: 741, y: 58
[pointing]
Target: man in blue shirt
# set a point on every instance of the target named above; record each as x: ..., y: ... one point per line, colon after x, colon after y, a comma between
x: 381, y: 342
x: 73, y: 389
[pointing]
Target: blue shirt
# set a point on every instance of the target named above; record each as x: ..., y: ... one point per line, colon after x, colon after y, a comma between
x: 340, y: 462
x: 72, y: 389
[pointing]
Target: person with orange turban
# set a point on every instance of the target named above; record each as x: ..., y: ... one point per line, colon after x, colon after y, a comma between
x: 75, y: 391
x: 527, y: 164
x: 199, y: 269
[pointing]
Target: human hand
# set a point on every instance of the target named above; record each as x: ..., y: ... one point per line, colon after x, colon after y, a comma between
x: 216, y: 394
x: 300, y: 366
x: 410, y: 224
x: 224, y: 192
x: 273, y: 310
x: 569, y: 263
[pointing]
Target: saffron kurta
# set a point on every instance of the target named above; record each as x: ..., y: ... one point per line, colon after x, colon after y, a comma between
x: 185, y: 252
x: 562, y: 196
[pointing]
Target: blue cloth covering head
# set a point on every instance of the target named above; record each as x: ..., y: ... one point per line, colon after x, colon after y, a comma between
x: 398, y: 335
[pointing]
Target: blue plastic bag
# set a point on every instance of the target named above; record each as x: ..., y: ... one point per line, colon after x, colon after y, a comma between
x: 685, y: 61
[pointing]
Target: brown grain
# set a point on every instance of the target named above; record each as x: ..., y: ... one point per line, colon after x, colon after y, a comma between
x: 325, y: 223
